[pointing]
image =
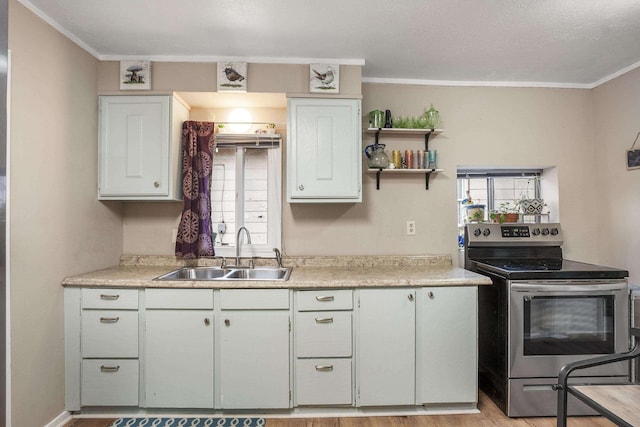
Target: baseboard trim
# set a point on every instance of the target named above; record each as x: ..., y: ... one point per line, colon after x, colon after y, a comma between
x: 60, y: 420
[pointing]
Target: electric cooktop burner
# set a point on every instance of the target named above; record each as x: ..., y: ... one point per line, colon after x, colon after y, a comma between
x: 527, y: 265
x: 548, y: 269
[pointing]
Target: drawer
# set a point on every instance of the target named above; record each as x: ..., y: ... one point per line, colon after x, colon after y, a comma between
x: 124, y: 299
x: 323, y: 334
x: 325, y: 300
x: 251, y: 299
x: 109, y: 382
x: 323, y: 382
x: 194, y: 299
x: 109, y: 333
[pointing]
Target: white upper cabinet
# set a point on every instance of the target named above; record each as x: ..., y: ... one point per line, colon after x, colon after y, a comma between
x: 323, y: 151
x: 140, y: 147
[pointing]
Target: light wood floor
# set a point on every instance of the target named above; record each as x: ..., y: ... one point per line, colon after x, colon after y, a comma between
x: 489, y: 416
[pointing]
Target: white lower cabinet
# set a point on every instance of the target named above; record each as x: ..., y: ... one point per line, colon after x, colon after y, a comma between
x: 179, y: 362
x: 254, y: 349
x: 386, y: 342
x: 324, y: 347
x: 323, y: 381
x: 447, y: 345
x: 229, y: 349
x: 109, y: 382
x: 109, y: 371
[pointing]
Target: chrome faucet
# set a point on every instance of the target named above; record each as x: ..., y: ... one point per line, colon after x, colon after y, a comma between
x: 238, y: 242
x: 278, y: 257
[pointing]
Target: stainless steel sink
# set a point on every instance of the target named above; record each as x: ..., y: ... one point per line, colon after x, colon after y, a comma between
x: 217, y: 273
x: 259, y: 273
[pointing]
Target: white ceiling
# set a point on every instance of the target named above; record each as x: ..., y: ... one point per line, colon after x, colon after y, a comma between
x: 556, y: 43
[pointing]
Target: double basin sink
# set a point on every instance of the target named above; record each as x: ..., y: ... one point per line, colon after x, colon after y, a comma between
x: 228, y: 273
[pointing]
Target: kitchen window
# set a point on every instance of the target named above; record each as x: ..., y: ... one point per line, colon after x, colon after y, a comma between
x: 246, y: 191
x: 492, y: 188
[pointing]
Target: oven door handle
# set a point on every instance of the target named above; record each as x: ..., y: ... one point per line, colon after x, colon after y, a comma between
x: 582, y: 288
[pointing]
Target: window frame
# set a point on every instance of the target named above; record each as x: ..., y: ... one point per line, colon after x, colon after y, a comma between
x: 274, y: 206
x: 490, y: 175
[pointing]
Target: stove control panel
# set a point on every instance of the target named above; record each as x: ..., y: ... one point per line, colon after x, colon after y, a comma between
x: 524, y: 234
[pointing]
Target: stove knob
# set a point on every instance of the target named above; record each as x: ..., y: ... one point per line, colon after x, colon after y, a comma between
x: 536, y: 231
x: 486, y: 232
x: 545, y: 231
x: 554, y: 231
x: 476, y: 232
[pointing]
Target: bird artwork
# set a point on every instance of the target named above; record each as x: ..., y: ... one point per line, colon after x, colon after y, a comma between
x: 324, y: 78
x: 233, y: 75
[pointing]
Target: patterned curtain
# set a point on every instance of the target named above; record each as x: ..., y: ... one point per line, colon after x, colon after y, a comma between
x: 195, y: 234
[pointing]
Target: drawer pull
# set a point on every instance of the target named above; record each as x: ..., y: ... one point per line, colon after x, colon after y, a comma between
x: 109, y: 319
x: 104, y: 368
x: 324, y: 368
x: 109, y: 297
x: 207, y: 322
x: 324, y: 319
x: 325, y: 298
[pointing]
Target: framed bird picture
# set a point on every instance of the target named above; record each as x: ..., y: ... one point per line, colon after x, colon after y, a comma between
x: 232, y: 76
x: 324, y: 78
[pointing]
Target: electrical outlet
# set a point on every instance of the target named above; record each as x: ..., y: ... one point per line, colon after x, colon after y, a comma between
x: 411, y: 228
x: 222, y: 228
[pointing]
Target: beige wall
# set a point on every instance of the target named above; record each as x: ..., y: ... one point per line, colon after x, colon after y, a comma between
x: 617, y: 201
x: 57, y: 226
x: 483, y: 127
x: 201, y: 77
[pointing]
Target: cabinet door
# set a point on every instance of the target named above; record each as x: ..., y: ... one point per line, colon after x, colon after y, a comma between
x: 386, y: 347
x: 323, y: 154
x: 254, y: 360
x: 179, y: 358
x: 139, y: 147
x: 448, y: 345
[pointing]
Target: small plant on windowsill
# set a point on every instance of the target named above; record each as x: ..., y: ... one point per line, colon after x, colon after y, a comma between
x: 271, y: 127
x: 528, y: 205
x: 506, y: 212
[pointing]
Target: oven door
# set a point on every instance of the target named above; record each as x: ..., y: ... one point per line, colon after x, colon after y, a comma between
x: 552, y: 323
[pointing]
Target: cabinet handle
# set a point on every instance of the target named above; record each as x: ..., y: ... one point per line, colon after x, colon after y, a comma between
x: 109, y: 319
x: 207, y: 321
x: 301, y: 187
x: 109, y: 297
x: 410, y: 297
x: 156, y: 184
x: 430, y: 294
x: 227, y: 322
x: 324, y: 368
x: 325, y: 298
x: 324, y: 319
x: 104, y: 368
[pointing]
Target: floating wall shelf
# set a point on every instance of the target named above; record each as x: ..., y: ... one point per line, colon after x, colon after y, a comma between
x: 404, y: 132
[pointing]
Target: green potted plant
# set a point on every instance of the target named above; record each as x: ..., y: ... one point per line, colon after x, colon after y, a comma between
x: 271, y: 128
x: 506, y: 212
x: 474, y: 213
x: 529, y: 205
